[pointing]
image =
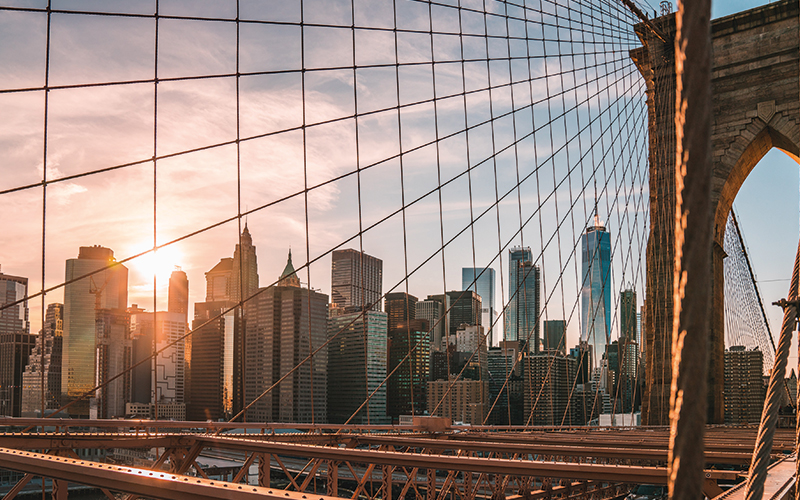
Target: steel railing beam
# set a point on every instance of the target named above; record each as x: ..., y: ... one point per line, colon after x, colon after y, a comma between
x: 152, y: 484
x: 621, y: 473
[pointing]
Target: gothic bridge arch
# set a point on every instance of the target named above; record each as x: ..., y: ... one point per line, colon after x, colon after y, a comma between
x: 755, y: 106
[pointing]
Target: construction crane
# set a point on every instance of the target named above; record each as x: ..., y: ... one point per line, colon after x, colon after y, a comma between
x: 97, y: 292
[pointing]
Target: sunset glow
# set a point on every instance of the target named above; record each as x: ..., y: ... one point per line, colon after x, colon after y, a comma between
x: 159, y: 263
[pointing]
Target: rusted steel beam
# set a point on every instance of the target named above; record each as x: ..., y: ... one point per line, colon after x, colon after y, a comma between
x: 13, y: 492
x: 648, y: 475
x: 79, y: 441
x: 189, y: 458
x: 245, y: 467
x: 560, y: 450
x: 60, y: 489
x: 387, y: 476
x: 431, y: 488
x: 189, y: 424
x: 264, y: 468
x: 332, y: 481
x: 160, y: 485
x: 311, y: 475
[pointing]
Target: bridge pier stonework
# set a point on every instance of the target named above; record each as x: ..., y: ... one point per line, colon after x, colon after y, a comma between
x: 756, y: 106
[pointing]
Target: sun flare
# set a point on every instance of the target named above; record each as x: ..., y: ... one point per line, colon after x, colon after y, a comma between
x: 160, y: 264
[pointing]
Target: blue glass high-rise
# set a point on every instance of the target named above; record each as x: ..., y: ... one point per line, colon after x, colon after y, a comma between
x: 596, y: 290
x: 484, y: 286
x: 522, y: 314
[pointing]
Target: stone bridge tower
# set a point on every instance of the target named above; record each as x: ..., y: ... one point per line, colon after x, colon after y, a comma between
x: 756, y: 106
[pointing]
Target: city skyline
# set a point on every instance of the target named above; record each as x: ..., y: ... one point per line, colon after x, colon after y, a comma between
x: 76, y: 220
x: 264, y: 179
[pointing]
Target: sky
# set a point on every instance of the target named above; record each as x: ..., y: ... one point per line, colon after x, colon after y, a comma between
x: 98, y: 127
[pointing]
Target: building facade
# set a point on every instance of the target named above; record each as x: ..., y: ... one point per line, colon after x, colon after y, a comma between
x: 548, y: 381
x: 178, y: 300
x: 14, y: 318
x: 409, y: 366
x: 432, y: 311
x: 555, y: 336
x: 481, y: 280
x: 169, y: 329
x: 356, y: 280
x: 243, y: 281
x: 744, y: 390
x: 400, y: 308
x: 113, y: 355
x: 218, y: 281
x: 596, y: 290
x: 460, y: 400
x: 628, y: 317
x: 462, y: 307
x: 357, y: 367
x: 505, y: 385
x: 83, y: 299
x: 285, y: 324
x: 15, y: 349
x: 522, y: 314
x: 44, y: 363
x: 214, y: 359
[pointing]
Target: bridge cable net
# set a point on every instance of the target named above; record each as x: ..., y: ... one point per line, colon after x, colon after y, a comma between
x: 436, y: 134
x: 745, y: 319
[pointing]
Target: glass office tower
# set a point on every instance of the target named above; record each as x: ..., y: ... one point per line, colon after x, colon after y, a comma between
x: 596, y: 290
x: 522, y: 314
x: 484, y: 286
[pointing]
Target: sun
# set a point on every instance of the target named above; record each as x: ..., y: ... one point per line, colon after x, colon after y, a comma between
x: 160, y: 264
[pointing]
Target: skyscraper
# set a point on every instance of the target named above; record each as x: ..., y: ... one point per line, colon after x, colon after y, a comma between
x: 409, y: 358
x: 113, y: 354
x: 466, y: 401
x: 243, y: 281
x: 178, y: 292
x: 628, y: 317
x: 13, y: 319
x: 484, y: 285
x: 356, y: 280
x: 596, y: 290
x: 16, y: 342
x: 285, y: 324
x: 555, y: 337
x: 401, y: 308
x: 744, y: 388
x: 45, y: 357
x: 218, y: 281
x: 214, y: 384
x: 432, y: 310
x: 83, y: 301
x: 548, y: 383
x: 522, y: 314
x: 357, y: 368
x: 15, y: 349
x: 167, y: 327
x: 464, y: 309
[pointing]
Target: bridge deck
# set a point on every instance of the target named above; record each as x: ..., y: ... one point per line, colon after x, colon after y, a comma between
x: 778, y: 485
